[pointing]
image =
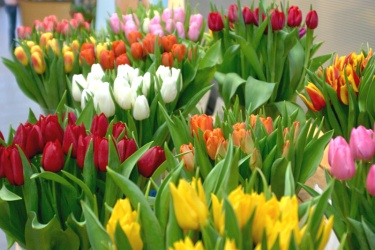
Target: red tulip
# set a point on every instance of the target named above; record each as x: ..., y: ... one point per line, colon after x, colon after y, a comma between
x: 53, y: 157
x: 294, y: 16
x: 125, y: 148
x: 2, y: 170
x: 51, y: 128
x: 256, y: 16
x: 99, y: 125
x: 117, y: 129
x: 233, y: 13
x: 247, y: 15
x: 179, y: 51
x: 107, y: 59
x: 72, y: 118
x: 85, y: 46
x: 122, y: 60
x: 12, y: 164
x: 168, y: 42
x: 167, y: 59
x: 215, y: 21
x: 150, y: 161
x: 118, y: 48
x: 82, y: 146
x: 101, y: 153
x: 136, y: 50
x: 312, y: 19
x: 277, y: 19
x: 30, y: 138
x: 71, y: 135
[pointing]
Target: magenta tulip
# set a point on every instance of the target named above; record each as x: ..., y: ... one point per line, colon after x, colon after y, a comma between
x: 115, y: 24
x: 99, y: 125
x: 302, y: 32
x: 256, y: 16
x: 150, y: 161
x: 247, y: 15
x: 215, y: 21
x: 233, y: 13
x: 125, y: 148
x: 53, y: 157
x: 294, y: 16
x: 12, y: 164
x: 71, y: 135
x: 370, y: 181
x: 312, y: 19
x: 362, y: 143
x: 277, y: 19
x: 340, y: 159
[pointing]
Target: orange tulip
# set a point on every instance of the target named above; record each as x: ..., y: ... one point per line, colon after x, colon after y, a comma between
x: 118, y: 48
x: 267, y: 123
x: 316, y: 96
x: 239, y: 131
x: 286, y: 147
x: 107, y: 59
x: 256, y: 159
x: 21, y: 56
x: 202, y: 122
x: 122, y: 60
x: 188, y: 157
x: 136, y: 50
x: 168, y: 42
x: 179, y: 51
x: 85, y: 46
x: 134, y: 36
x: 38, y: 63
x: 167, y: 59
x: 68, y: 61
x: 88, y: 55
x: 214, y: 139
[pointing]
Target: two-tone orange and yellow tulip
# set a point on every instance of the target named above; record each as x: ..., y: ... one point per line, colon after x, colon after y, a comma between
x: 317, y: 101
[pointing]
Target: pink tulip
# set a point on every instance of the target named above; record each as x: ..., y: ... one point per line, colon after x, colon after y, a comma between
x: 169, y: 25
x: 131, y: 18
x: 156, y: 29
x: 49, y: 26
x: 167, y: 14
x: 129, y: 27
x: 79, y: 17
x: 180, y: 29
x: 74, y: 23
x: 51, y: 18
x: 23, y: 32
x: 155, y: 20
x: 362, y: 143
x: 370, y: 181
x: 114, y: 22
x: 194, y: 32
x: 197, y: 19
x: 86, y: 25
x: 340, y: 158
x: 179, y: 15
x: 39, y: 26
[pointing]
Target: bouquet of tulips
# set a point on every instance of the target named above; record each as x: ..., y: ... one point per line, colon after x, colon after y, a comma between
x: 46, y: 56
x: 353, y: 171
x: 267, y: 50
x: 342, y: 93
x: 189, y: 214
x: 51, y: 164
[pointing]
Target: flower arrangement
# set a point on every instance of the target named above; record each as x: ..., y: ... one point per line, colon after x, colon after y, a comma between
x: 265, y: 60
x: 342, y: 92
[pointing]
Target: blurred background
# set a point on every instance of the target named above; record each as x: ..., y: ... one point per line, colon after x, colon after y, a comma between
x: 344, y: 27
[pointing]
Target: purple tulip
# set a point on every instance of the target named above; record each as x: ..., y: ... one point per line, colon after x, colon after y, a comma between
x: 180, y: 29
x: 302, y: 32
x: 362, y: 143
x: 370, y: 181
x: 340, y: 158
x: 114, y: 22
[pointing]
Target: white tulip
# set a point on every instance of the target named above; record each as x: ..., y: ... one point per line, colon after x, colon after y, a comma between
x: 141, y: 108
x: 128, y: 72
x: 78, y: 83
x: 168, y: 90
x: 94, y: 85
x: 120, y: 82
x: 176, y: 75
x: 163, y: 72
x: 137, y: 81
x: 125, y: 97
x: 146, y: 83
x: 145, y: 24
x: 103, y: 100
x: 85, y: 97
x: 96, y: 73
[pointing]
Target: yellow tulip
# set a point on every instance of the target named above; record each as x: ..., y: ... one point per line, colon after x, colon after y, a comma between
x: 75, y: 45
x: 21, y: 56
x: 326, y: 232
x: 218, y: 214
x: 66, y: 48
x: 30, y: 44
x: 99, y: 48
x: 189, y: 203
x: 127, y: 218
x: 187, y: 244
x: 230, y: 245
x: 68, y: 61
x: 43, y: 42
x: 38, y: 63
x: 54, y: 45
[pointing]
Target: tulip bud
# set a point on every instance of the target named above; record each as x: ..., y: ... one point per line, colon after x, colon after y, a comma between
x: 30, y: 139
x: 179, y: 51
x: 75, y: 45
x: 21, y: 56
x: 168, y: 90
x: 12, y: 164
x: 122, y: 60
x: 294, y: 16
x: 66, y: 49
x: 82, y: 146
x: 215, y: 21
x: 180, y: 30
x: 188, y: 157
x: 136, y: 50
x: 118, y: 48
x: 53, y: 157
x: 168, y: 42
x: 340, y: 159
x: 150, y: 161
x: 103, y: 100
x: 87, y: 55
x: 317, y: 102
x: 115, y: 24
x: 255, y: 160
x: 51, y: 128
x: 247, y: 15
x: 256, y: 16
x: 107, y: 59
x: 101, y: 149
x: 312, y: 19
x: 38, y: 63
x: 362, y: 143
x: 124, y: 95
x: 24, y: 32
x: 370, y: 181
x: 117, y: 129
x: 78, y: 83
x: 238, y: 133
x: 68, y: 61
x: 54, y: 45
x: 214, y: 139
x: 45, y: 38
x: 99, y: 125
x: 277, y: 20
x: 125, y: 148
x: 233, y: 13
x: 194, y: 32
x: 202, y: 122
x: 71, y: 135
x: 167, y: 59
x: 146, y: 23
x: 135, y: 36
x: 286, y: 147
x: 141, y: 108
x: 2, y: 170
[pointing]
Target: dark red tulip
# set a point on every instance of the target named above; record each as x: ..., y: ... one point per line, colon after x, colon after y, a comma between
x: 1, y: 136
x: 277, y: 19
x: 99, y: 125
x: 51, y: 128
x: 101, y: 153
x: 53, y: 157
x: 312, y: 19
x: 30, y: 138
x: 294, y: 16
x: 215, y: 21
x: 2, y: 170
x: 72, y: 118
x: 150, y: 161
x: 71, y: 135
x: 233, y: 13
x: 117, y: 129
x: 125, y: 148
x: 82, y: 146
x: 247, y: 15
x: 256, y: 16
x: 12, y: 164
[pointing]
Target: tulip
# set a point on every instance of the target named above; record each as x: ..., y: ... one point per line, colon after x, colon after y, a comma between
x: 2, y: 170
x: 122, y: 60
x: 233, y: 13
x: 118, y: 48
x: 107, y: 59
x: 370, y: 180
x: 189, y: 203
x: 75, y: 45
x: 71, y: 135
x: 125, y: 148
x: 255, y: 160
x: 12, y: 164
x: 82, y: 147
x: 136, y: 50
x: 340, y: 159
x: 135, y: 36
x: 294, y: 16
x: 256, y: 16
x: 277, y: 20
x: 168, y: 90
x: 30, y: 139
x: 51, y: 128
x: 24, y: 32
x: 167, y: 14
x: 247, y: 15
x: 187, y: 244
x: 179, y: 51
x: 188, y: 157
x: 101, y: 149
x: 68, y: 61
x: 103, y: 100
x: 179, y: 15
x: 312, y: 19
x: 36, y: 49
x: 141, y: 108
x: 215, y: 21
x: 218, y: 214
x: 54, y: 45
x: 168, y: 42
x: 150, y: 161
x: 53, y: 157
x: 214, y: 139
x: 146, y: 23
x: 302, y: 32
x: 194, y: 32
x: 88, y: 55
x: 127, y: 218
x: 115, y: 24
x: 230, y: 244
x: 362, y: 143
x: 167, y: 59
x: 202, y: 122
x: 124, y: 95
x: 129, y: 28
x: 78, y: 83
x: 267, y: 123
x: 180, y: 29
x: 45, y: 37
x: 21, y: 56
x: 238, y: 133
x: 119, y: 129
x: 38, y: 63
x: 317, y: 102
x: 99, y: 125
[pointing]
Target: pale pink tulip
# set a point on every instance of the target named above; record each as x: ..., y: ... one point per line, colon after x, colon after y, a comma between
x: 340, y: 158
x: 370, y: 181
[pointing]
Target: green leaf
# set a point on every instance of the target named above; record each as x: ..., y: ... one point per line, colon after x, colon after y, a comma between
x: 278, y: 178
x: 257, y: 93
x: 357, y: 229
x: 86, y: 190
x: 56, y: 178
x: 370, y: 234
x: 122, y: 241
x: 290, y: 108
x: 230, y: 83
x: 6, y: 195
x: 173, y: 231
x: 212, y: 56
x: 232, y: 228
x: 289, y: 189
x: 79, y: 229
